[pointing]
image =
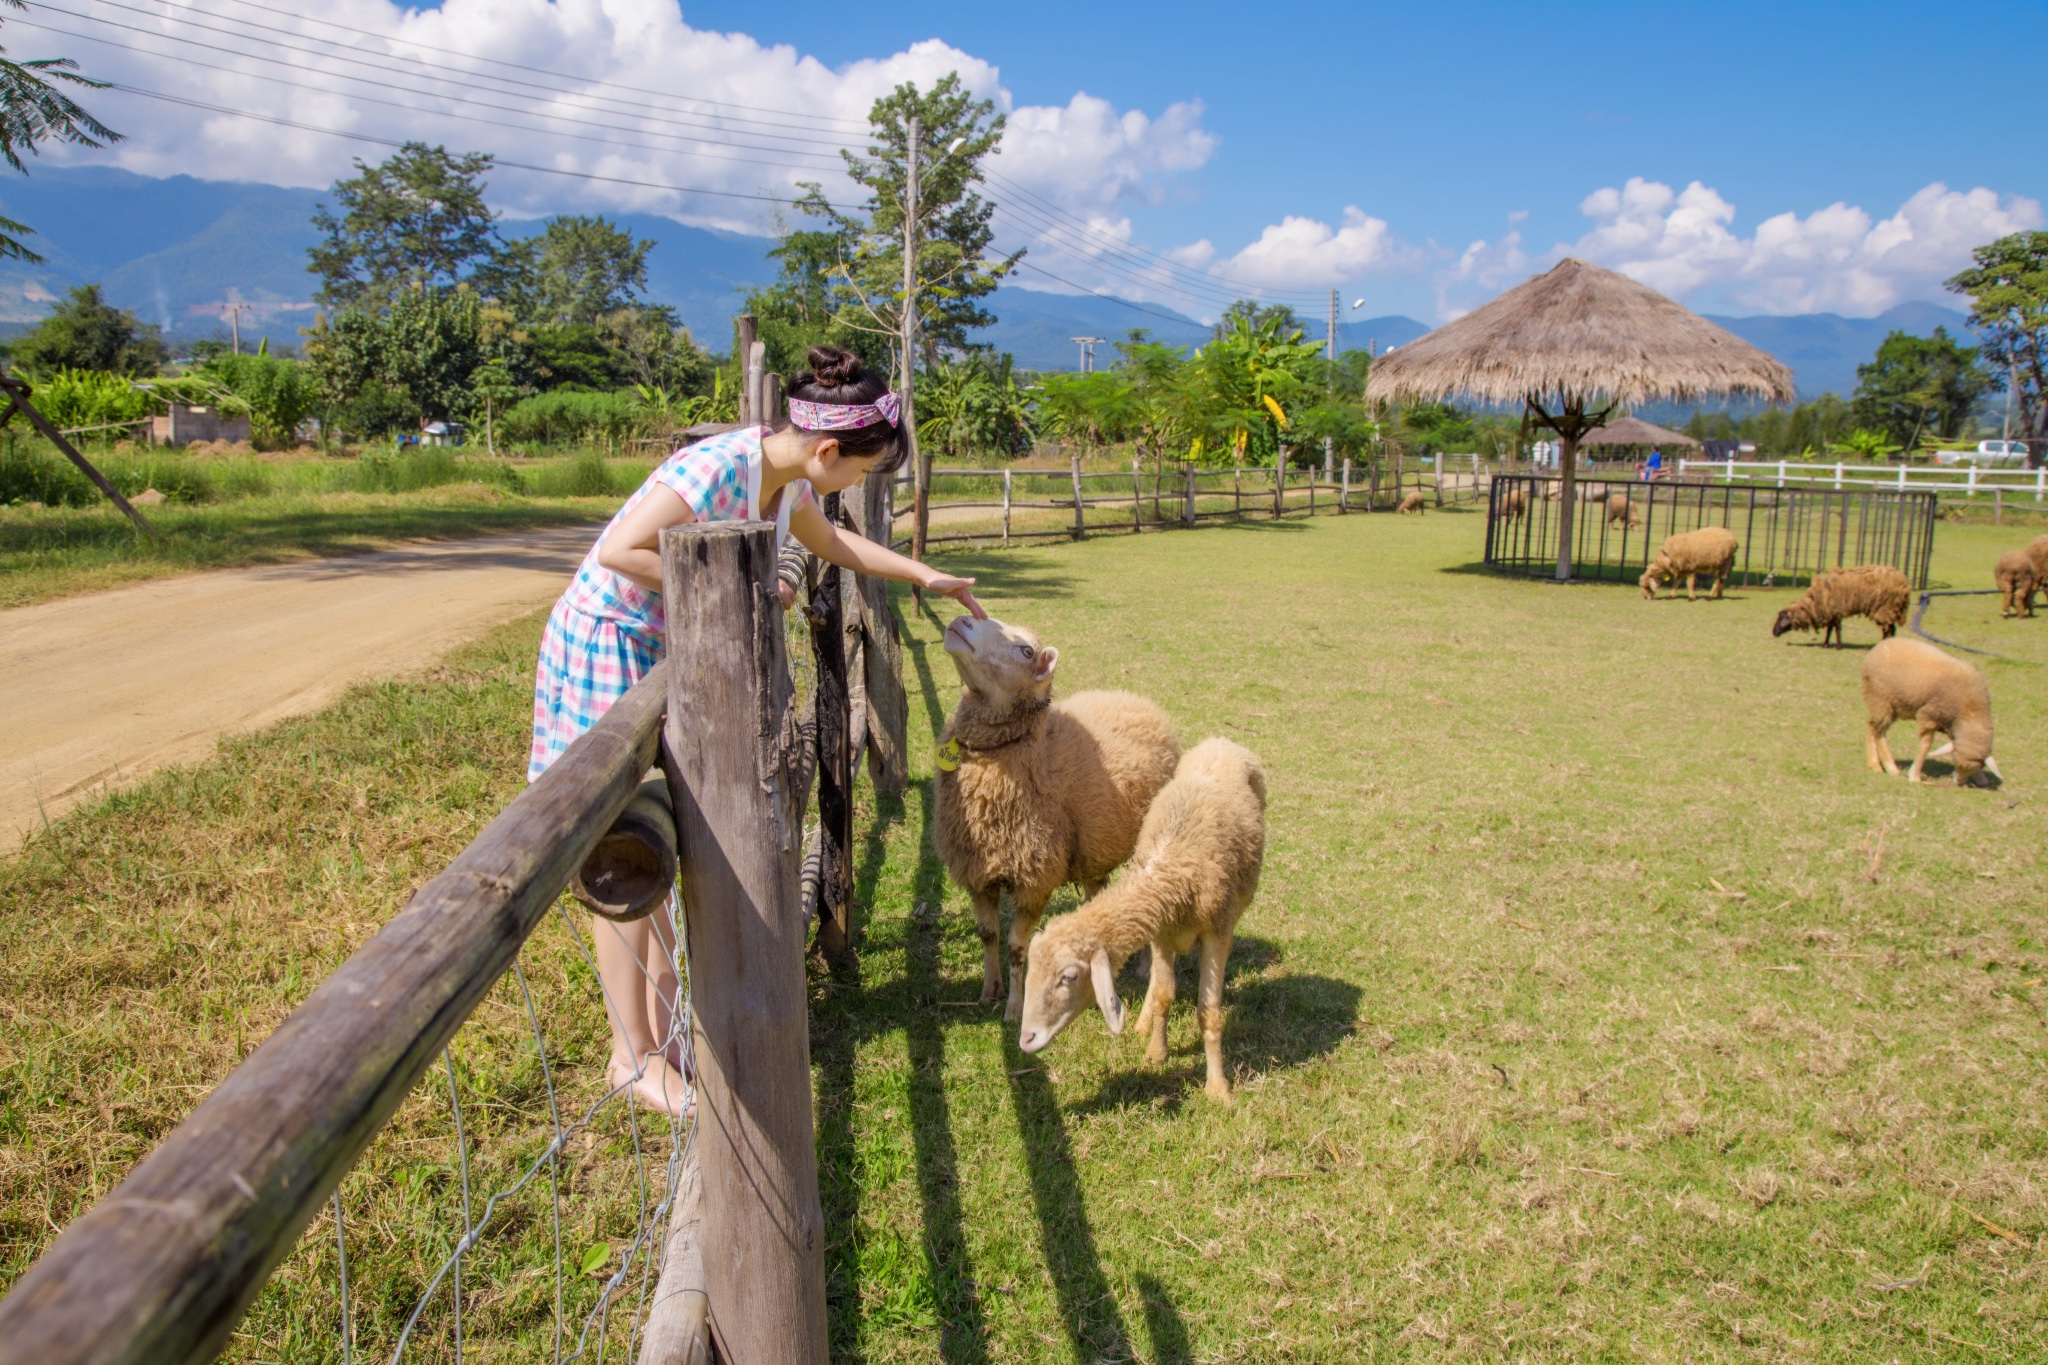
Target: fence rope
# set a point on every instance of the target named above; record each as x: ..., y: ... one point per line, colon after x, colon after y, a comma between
x: 1921, y: 610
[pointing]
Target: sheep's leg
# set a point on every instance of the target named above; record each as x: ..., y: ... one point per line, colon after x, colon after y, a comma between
x: 1158, y: 1000
x: 1720, y: 581
x: 1209, y: 1002
x: 1928, y: 731
x: 988, y: 922
x: 1023, y: 924
x: 1877, y: 749
x: 1691, y: 581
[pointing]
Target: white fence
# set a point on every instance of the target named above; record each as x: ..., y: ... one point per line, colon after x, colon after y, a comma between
x: 1968, y: 481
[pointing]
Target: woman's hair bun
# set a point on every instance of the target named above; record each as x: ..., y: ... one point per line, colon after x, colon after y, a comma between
x: 833, y: 368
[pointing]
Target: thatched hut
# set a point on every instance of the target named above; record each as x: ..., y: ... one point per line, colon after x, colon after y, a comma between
x: 1571, y: 346
x: 1634, y: 431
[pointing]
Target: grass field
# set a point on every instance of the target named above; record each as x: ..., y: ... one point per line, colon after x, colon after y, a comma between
x: 1597, y: 1004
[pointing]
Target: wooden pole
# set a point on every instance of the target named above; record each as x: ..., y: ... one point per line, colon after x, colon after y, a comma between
x: 1187, y: 506
x: 679, y: 1322
x: 1344, y: 489
x: 1074, y: 467
x: 757, y: 381
x: 162, y: 1269
x: 906, y: 344
x: 1279, y: 482
x: 835, y: 762
x: 1137, y: 498
x: 1006, y: 507
x: 17, y: 393
x: 739, y: 823
x: 743, y: 353
x: 882, y: 653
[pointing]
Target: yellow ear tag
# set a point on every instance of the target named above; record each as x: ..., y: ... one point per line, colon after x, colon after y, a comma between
x: 947, y: 756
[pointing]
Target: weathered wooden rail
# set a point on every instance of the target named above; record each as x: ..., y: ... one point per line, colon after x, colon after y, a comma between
x: 164, y: 1267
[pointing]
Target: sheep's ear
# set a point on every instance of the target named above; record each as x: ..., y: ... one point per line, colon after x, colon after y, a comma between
x: 1048, y: 659
x: 1991, y: 765
x: 1944, y: 751
x: 1111, y: 1004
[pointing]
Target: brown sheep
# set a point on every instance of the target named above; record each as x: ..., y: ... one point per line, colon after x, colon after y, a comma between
x: 1877, y: 591
x: 1908, y: 678
x: 1414, y: 502
x: 1621, y: 509
x: 1514, y: 504
x: 1031, y: 794
x: 1195, y: 871
x: 2016, y: 581
x: 2037, y: 550
x: 1709, y: 550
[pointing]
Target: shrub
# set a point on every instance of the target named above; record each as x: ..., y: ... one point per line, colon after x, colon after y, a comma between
x: 280, y: 394
x: 42, y: 476
x: 89, y: 398
x: 562, y: 415
x: 586, y: 476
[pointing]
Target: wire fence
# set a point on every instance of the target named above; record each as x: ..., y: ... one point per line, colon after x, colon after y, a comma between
x: 1784, y: 535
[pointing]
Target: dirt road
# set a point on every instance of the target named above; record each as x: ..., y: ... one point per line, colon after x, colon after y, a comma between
x: 98, y: 690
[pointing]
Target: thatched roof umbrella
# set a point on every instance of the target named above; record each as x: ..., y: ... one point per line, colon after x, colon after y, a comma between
x: 1572, y: 345
x: 1634, y: 431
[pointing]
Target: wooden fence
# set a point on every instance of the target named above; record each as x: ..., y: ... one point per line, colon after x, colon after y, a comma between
x: 1004, y: 505
x: 1785, y: 535
x: 164, y: 1267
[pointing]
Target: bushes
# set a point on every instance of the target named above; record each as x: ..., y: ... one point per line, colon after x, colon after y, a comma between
x: 280, y: 394
x: 562, y: 416
x: 90, y: 398
x: 586, y: 476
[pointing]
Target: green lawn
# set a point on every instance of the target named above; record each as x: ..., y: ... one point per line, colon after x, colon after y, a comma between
x: 1598, y: 1004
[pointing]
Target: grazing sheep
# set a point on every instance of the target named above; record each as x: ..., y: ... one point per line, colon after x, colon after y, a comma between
x: 1033, y: 795
x: 1620, y: 508
x: 1877, y: 591
x: 1709, y: 550
x: 1414, y: 502
x: 1195, y: 871
x: 2016, y: 580
x: 2037, y: 551
x: 1514, y: 504
x: 1903, y: 678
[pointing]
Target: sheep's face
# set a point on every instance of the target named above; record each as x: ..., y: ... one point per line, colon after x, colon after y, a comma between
x: 1783, y: 624
x: 1651, y: 577
x: 1059, y: 983
x: 999, y: 662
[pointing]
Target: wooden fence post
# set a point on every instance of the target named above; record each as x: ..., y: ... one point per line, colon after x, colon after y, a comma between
x: 1344, y: 489
x: 738, y: 821
x: 1279, y: 482
x: 1187, y: 507
x: 1237, y: 494
x: 835, y: 762
x: 743, y: 351
x: 882, y: 656
x: 1439, y: 478
x: 1006, y: 507
x: 1137, y: 498
x: 1074, y: 467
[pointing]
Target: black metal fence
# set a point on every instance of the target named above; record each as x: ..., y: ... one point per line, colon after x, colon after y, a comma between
x: 1785, y: 535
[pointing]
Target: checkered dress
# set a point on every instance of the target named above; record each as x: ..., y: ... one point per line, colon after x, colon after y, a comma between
x: 606, y: 631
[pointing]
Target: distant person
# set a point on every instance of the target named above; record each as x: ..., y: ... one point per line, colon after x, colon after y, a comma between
x: 1655, y: 467
x: 605, y: 634
x: 1642, y: 470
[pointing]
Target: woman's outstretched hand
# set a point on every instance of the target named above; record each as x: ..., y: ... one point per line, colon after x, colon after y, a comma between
x: 959, y: 589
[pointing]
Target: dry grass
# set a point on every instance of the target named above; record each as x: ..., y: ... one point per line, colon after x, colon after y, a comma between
x: 1597, y: 1003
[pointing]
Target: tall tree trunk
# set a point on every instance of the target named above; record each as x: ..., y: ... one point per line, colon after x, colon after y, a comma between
x: 1568, y: 499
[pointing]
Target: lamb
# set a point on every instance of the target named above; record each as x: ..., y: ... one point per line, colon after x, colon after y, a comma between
x: 1709, y: 550
x: 1877, y: 591
x: 1196, y: 869
x: 1621, y: 509
x: 1904, y: 677
x: 2016, y: 579
x: 1033, y: 795
x: 1414, y: 502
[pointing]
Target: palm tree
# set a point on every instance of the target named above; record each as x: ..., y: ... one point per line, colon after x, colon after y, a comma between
x: 33, y: 110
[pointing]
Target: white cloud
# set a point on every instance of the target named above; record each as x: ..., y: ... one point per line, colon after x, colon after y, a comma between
x: 610, y: 118
x: 1303, y: 253
x: 1835, y: 259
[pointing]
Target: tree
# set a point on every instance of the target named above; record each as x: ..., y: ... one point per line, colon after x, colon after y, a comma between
x: 954, y: 272
x: 802, y: 308
x: 84, y: 332
x: 32, y: 110
x: 576, y: 270
x: 280, y: 393
x: 1917, y: 385
x: 411, y: 361
x: 417, y: 219
x: 2008, y: 289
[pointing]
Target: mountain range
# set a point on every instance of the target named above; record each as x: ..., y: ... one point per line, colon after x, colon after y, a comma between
x: 189, y: 255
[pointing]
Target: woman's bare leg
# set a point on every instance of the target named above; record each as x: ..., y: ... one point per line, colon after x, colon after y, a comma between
x: 628, y: 963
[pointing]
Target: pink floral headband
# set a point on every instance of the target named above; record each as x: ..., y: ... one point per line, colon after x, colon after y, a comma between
x: 844, y: 416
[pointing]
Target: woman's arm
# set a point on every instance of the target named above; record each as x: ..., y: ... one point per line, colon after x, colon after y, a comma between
x: 631, y: 549
x: 862, y: 555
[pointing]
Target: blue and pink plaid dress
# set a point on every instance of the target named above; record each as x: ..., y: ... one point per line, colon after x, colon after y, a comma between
x: 606, y: 631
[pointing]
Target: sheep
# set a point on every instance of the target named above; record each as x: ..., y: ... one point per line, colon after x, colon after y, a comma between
x: 1620, y: 508
x: 1710, y: 550
x: 1514, y: 504
x: 1195, y: 871
x: 2016, y: 579
x: 1877, y: 591
x: 1032, y: 795
x: 1414, y: 502
x: 1904, y: 677
x: 2037, y: 551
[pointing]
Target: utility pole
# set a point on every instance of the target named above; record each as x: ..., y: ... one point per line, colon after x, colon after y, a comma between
x: 906, y: 407
x: 1087, y: 345
x: 235, y: 311
x: 1329, y: 446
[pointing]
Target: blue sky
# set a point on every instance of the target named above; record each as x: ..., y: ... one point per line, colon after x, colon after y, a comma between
x: 1742, y: 157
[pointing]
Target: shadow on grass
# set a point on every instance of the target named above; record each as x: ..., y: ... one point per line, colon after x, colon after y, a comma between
x: 1170, y: 1344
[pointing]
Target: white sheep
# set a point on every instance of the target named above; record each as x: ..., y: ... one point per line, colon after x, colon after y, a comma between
x: 1195, y: 871
x: 1908, y: 678
x: 1033, y: 794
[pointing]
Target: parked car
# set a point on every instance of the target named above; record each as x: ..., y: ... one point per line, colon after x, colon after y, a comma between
x: 1986, y: 453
